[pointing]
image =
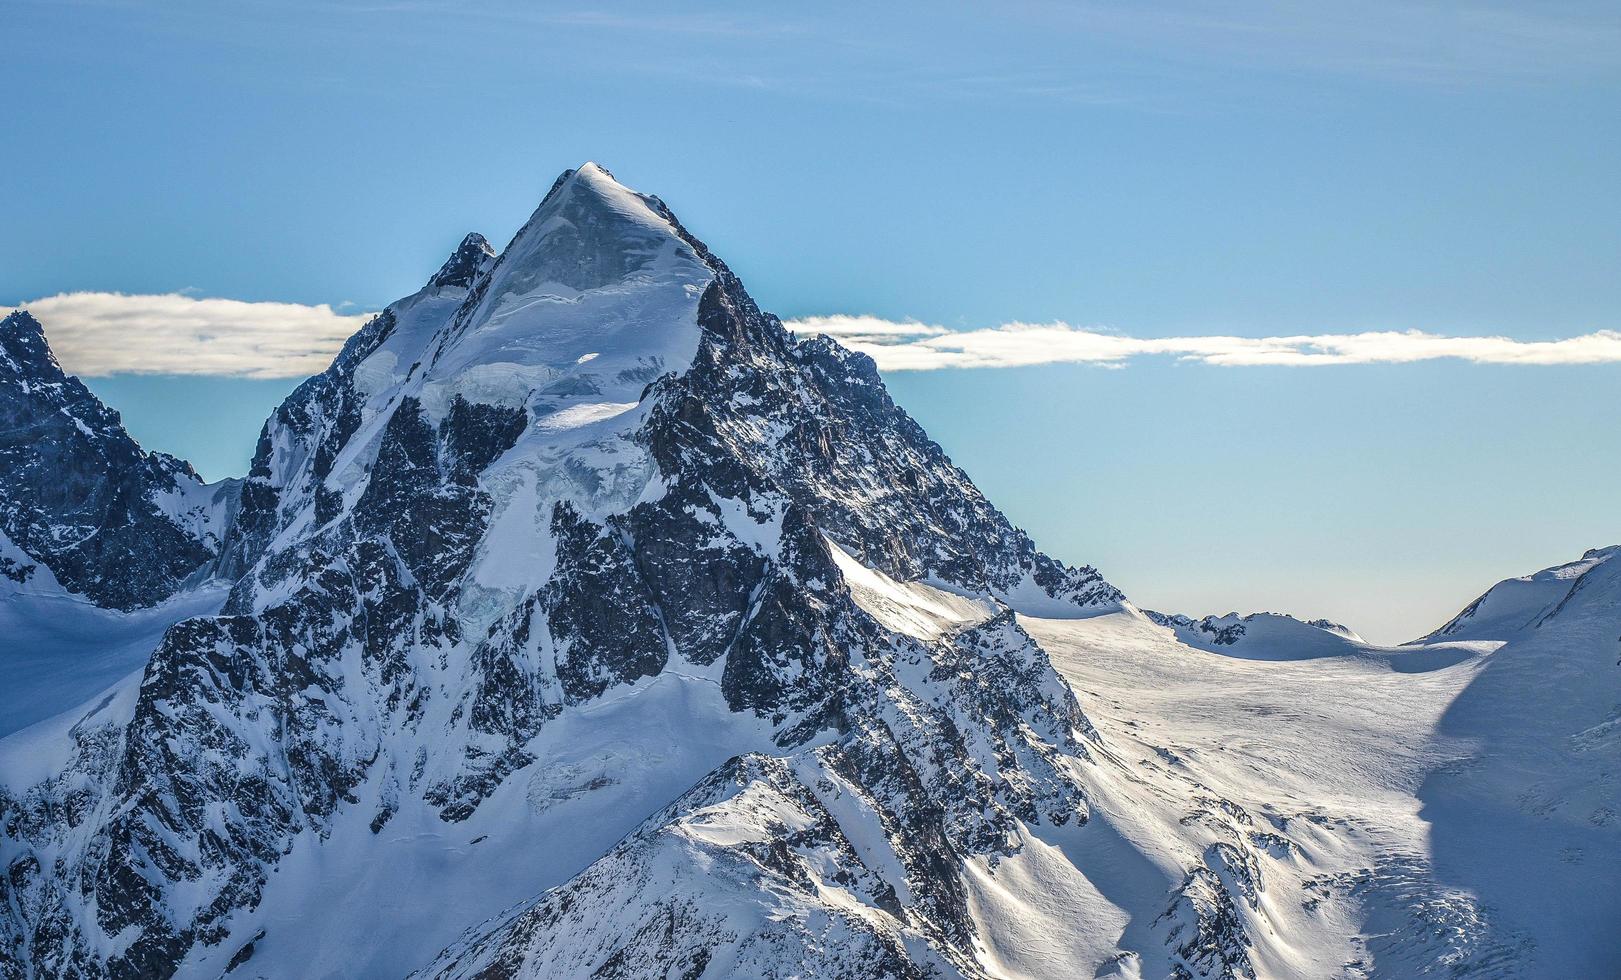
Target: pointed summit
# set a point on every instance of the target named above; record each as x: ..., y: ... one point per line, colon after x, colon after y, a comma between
x: 588, y: 232
x: 22, y: 345
x: 472, y: 257
x: 18, y: 323
x: 26, y: 360
x: 598, y: 286
x: 589, y: 173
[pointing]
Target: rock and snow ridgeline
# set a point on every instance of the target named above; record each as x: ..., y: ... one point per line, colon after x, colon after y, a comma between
x: 97, y: 515
x: 582, y: 621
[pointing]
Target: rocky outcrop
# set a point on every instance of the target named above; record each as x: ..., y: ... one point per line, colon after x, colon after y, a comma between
x: 121, y: 526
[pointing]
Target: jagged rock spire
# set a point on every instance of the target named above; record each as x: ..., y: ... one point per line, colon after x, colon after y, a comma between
x: 470, y: 259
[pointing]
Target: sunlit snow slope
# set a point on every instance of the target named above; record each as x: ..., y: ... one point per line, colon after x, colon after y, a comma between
x: 1448, y: 807
x: 1287, y: 802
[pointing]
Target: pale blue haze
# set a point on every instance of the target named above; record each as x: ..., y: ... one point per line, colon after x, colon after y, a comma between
x: 1292, y: 168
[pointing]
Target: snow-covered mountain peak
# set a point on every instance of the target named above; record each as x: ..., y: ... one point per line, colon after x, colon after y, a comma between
x: 594, y: 297
x: 27, y: 361
x: 589, y: 232
x: 523, y: 507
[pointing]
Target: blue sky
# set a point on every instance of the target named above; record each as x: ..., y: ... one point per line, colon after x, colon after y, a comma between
x: 1186, y: 171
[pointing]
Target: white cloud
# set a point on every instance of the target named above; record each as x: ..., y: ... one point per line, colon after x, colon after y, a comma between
x: 913, y: 346
x: 96, y: 334
x: 863, y: 328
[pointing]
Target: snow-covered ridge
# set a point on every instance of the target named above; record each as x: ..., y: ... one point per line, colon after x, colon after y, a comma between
x: 1518, y: 604
x: 1263, y: 634
x: 912, y: 608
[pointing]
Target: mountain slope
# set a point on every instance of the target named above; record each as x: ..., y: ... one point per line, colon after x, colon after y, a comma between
x: 1532, y: 822
x: 59, y: 650
x: 552, y: 497
x: 1516, y: 606
x: 123, y: 527
x: 1276, y: 800
x: 1441, y: 808
x: 103, y: 545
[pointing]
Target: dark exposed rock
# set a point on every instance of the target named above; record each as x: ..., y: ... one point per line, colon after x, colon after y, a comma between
x: 1221, y: 630
x: 603, y: 623
x: 472, y: 257
x: 17, y: 571
x: 122, y: 526
x: 422, y: 498
x: 865, y: 471
x: 1205, y: 930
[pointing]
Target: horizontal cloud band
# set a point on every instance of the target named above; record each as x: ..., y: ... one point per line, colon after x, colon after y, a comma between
x: 912, y: 346
x: 98, y: 334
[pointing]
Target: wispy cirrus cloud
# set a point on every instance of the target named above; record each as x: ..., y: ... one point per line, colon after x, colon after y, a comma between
x: 915, y: 346
x: 97, y: 334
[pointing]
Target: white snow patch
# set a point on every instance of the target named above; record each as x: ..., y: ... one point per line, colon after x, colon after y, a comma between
x: 912, y: 608
x: 575, y: 416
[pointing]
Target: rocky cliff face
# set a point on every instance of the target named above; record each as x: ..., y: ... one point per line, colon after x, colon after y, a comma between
x: 553, y: 495
x: 123, y: 527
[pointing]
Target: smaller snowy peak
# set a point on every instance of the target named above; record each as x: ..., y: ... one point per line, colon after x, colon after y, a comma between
x: 1262, y: 635
x: 23, y: 349
x: 29, y: 368
x: 470, y: 260
x: 1518, y: 604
